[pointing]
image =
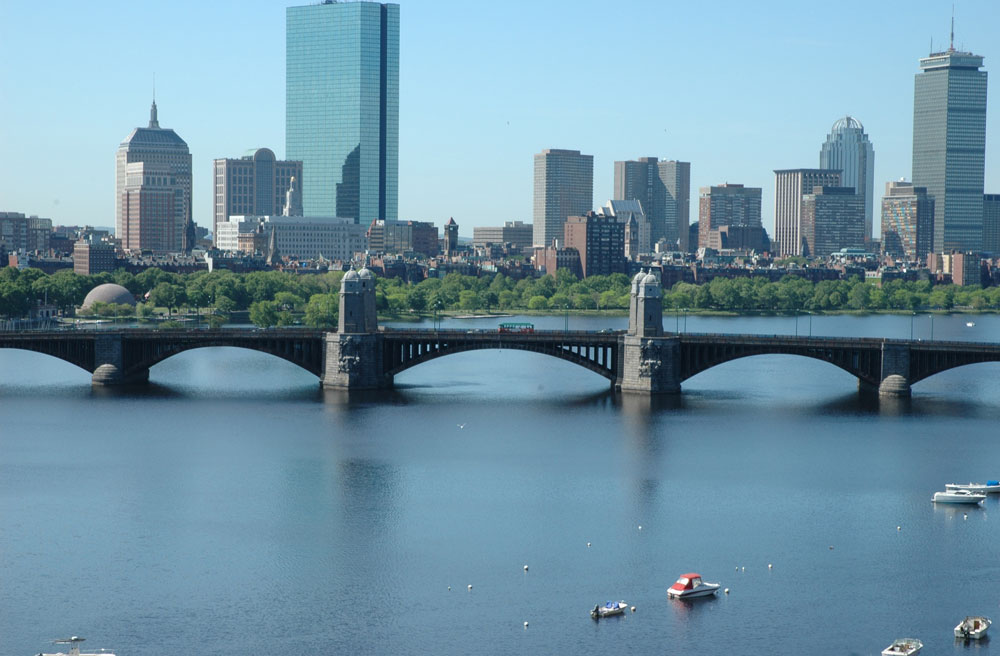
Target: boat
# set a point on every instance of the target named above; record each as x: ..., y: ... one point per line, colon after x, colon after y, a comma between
x: 973, y: 627
x: 904, y: 647
x: 970, y: 324
x: 989, y: 487
x: 74, y: 648
x: 691, y: 585
x: 608, y: 609
x: 958, y: 496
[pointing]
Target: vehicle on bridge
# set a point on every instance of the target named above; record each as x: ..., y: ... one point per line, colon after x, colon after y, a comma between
x: 517, y: 328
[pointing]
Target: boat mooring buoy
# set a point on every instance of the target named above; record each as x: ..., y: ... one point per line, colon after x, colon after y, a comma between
x: 769, y: 565
x: 449, y: 587
x: 525, y: 625
x: 726, y: 590
x: 743, y: 569
x: 831, y: 547
x: 640, y: 527
x: 899, y: 528
x: 525, y: 568
x: 965, y: 515
x: 633, y: 609
x: 588, y: 544
x: 470, y: 586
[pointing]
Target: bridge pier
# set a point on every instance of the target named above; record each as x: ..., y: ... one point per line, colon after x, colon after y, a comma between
x: 354, y: 362
x: 650, y: 365
x: 895, y: 378
x: 109, y: 365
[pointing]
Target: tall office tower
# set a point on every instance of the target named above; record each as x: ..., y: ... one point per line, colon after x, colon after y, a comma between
x: 253, y: 185
x: 727, y: 205
x: 949, y: 145
x: 342, y: 107
x: 848, y: 150
x: 600, y: 241
x: 907, y: 221
x: 664, y: 189
x: 991, y: 224
x: 832, y: 219
x: 789, y: 187
x: 564, y: 187
x: 153, y: 171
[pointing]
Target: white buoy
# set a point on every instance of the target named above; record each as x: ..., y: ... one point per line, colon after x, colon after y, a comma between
x: 449, y: 587
x: 769, y: 565
x: 588, y: 544
x: 640, y: 527
x: 633, y: 609
x: 470, y: 586
x: 965, y: 516
x: 899, y: 528
x: 726, y: 590
x: 831, y: 547
x: 525, y: 625
x: 744, y: 569
x: 737, y: 568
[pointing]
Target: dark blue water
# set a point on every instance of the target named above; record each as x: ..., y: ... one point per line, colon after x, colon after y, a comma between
x: 234, y: 508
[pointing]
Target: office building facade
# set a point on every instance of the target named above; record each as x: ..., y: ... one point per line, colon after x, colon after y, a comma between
x: 342, y: 107
x: 24, y: 233
x: 833, y: 218
x: 564, y: 187
x: 907, y: 221
x: 664, y: 189
x: 253, y: 185
x: 297, y: 237
x: 949, y: 145
x: 789, y: 187
x: 516, y: 233
x: 727, y: 205
x: 991, y: 224
x: 600, y: 241
x: 152, y: 188
x: 848, y: 150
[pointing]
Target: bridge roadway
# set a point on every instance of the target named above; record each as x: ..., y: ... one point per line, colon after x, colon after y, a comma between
x: 125, y: 356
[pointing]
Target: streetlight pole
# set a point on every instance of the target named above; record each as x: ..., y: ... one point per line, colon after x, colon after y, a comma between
x: 932, y: 327
x: 810, y: 324
x: 912, y: 314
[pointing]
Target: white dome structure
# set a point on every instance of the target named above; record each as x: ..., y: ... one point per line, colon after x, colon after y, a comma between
x: 108, y: 293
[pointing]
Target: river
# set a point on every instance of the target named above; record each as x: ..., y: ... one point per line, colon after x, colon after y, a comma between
x: 232, y: 507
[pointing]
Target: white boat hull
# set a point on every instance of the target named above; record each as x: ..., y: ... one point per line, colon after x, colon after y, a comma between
x: 977, y: 488
x: 704, y: 590
x: 903, y: 647
x: 972, y: 628
x: 958, y: 496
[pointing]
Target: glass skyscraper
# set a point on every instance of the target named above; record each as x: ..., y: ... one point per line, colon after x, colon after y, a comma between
x: 949, y: 145
x: 342, y: 107
x: 848, y: 150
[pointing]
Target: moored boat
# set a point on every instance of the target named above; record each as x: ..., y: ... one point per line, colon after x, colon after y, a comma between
x: 972, y: 627
x: 989, y: 487
x: 903, y: 647
x: 958, y: 496
x: 608, y: 609
x: 691, y: 585
x: 74, y: 648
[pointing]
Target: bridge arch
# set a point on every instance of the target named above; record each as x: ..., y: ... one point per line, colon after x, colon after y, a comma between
x: 76, y: 351
x: 927, y: 362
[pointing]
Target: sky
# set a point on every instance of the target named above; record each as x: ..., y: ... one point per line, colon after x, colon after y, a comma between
x: 736, y: 88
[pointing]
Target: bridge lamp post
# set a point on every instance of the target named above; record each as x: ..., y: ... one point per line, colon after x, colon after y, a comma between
x: 912, y: 314
x: 932, y: 326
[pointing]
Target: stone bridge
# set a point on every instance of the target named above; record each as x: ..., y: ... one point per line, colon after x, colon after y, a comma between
x: 362, y: 355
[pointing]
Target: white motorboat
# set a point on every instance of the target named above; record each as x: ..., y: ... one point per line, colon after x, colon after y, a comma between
x: 958, y: 496
x: 903, y: 647
x: 973, y: 627
x: 74, y: 648
x: 608, y: 609
x: 989, y: 487
x: 691, y: 585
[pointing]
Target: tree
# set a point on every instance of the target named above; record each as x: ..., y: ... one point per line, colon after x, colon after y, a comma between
x: 321, y: 311
x: 166, y: 295
x: 264, y: 314
x: 538, y: 303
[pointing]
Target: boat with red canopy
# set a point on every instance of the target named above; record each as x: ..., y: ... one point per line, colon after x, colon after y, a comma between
x: 691, y: 585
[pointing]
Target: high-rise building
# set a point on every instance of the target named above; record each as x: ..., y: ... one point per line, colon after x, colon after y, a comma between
x: 600, y: 240
x: 832, y: 219
x: 727, y: 205
x: 664, y: 189
x: 991, y: 224
x: 516, y: 233
x: 252, y: 185
x: 152, y: 188
x: 949, y: 145
x: 907, y: 221
x: 789, y: 187
x: 24, y: 233
x: 342, y: 107
x: 564, y: 187
x: 848, y: 150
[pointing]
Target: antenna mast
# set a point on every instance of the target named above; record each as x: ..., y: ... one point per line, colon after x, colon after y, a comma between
x: 951, y: 44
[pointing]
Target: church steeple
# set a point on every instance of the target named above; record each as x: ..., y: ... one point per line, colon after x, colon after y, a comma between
x: 153, y: 123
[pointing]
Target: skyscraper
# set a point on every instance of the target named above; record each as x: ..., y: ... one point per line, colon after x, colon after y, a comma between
x: 991, y: 224
x: 789, y: 187
x: 907, y: 221
x: 564, y: 187
x: 949, y: 145
x: 727, y: 205
x: 848, y: 150
x: 832, y: 219
x: 152, y: 188
x: 253, y: 185
x: 342, y: 107
x: 664, y: 189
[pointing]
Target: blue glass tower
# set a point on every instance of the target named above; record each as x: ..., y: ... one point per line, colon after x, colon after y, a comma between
x: 342, y: 107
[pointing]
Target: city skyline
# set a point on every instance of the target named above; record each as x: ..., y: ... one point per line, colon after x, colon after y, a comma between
x: 512, y: 108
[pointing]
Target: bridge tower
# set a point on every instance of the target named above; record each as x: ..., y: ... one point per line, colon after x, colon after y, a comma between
x: 353, y: 357
x: 650, y: 361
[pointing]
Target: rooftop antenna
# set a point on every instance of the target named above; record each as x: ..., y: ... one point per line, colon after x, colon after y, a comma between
x: 951, y: 43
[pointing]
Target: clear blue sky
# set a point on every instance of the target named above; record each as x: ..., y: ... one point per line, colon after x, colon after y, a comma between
x: 737, y: 88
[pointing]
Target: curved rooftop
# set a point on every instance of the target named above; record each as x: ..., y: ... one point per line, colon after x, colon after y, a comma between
x: 847, y: 123
x: 108, y: 293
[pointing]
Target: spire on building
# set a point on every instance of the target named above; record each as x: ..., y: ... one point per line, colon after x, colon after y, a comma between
x: 153, y: 123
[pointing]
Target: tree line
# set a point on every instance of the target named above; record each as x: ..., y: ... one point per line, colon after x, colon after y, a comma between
x: 274, y: 298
